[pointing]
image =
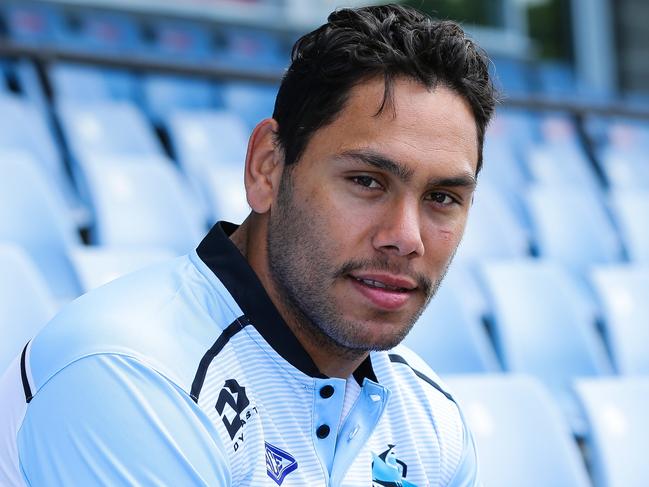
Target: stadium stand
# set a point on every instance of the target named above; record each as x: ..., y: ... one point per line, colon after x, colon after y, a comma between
x: 571, y: 226
x: 616, y: 409
x: 623, y: 292
x: 450, y: 338
x: 544, y: 325
x: 631, y: 208
x: 142, y: 202
x: 87, y: 84
x: 123, y: 134
x: 33, y: 215
x: 504, y: 413
x: 26, y: 303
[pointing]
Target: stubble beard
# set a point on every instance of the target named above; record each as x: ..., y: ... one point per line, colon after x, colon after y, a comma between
x: 300, y: 268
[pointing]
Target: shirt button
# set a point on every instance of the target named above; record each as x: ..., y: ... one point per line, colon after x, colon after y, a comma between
x: 323, y: 431
x: 327, y: 391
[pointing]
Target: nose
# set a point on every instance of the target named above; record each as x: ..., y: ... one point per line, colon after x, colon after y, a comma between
x: 399, y: 231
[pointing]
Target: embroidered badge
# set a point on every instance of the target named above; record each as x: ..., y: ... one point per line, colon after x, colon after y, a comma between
x: 388, y: 470
x: 279, y: 463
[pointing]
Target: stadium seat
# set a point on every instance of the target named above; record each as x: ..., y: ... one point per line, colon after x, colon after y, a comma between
x: 97, y: 266
x: 142, y: 202
x: 618, y: 442
x: 106, y: 128
x: 252, y: 102
x: 163, y: 94
x: 32, y: 23
x: 631, y: 210
x: 210, y: 146
x: 101, y: 31
x: 571, y: 226
x: 33, y: 215
x: 208, y: 137
x: 90, y: 84
x: 624, y: 295
x: 521, y: 437
x: 626, y: 168
x: 561, y: 165
x: 449, y: 338
x: 23, y: 129
x: 490, y: 215
x: 544, y: 325
x: 25, y: 302
x: 178, y: 39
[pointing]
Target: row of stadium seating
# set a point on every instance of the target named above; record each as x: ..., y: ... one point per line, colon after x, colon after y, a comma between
x: 103, y: 171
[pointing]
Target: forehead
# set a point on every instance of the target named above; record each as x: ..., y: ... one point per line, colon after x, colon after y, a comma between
x: 419, y: 126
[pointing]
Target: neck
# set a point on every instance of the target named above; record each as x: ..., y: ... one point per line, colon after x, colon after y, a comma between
x: 331, y: 360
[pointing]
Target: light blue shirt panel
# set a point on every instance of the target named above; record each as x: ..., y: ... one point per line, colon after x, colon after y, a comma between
x: 466, y: 474
x: 165, y: 315
x: 109, y: 420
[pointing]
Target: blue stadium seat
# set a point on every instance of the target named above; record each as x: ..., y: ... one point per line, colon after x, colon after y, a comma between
x: 164, y: 94
x: 492, y: 215
x: 33, y: 216
x: 625, y: 168
x: 544, y: 325
x: 26, y: 303
x: 96, y: 265
x: 521, y: 437
x: 618, y: 442
x: 631, y: 210
x: 32, y: 23
x: 23, y: 128
x: 210, y: 146
x: 556, y: 79
x: 225, y: 193
x: 89, y: 84
x: 624, y: 296
x: 512, y: 76
x: 449, y: 338
x: 561, y: 165
x: 252, y: 102
x: 571, y: 226
x: 106, y: 128
x: 245, y: 48
x: 142, y: 202
x: 101, y: 31
x: 178, y: 39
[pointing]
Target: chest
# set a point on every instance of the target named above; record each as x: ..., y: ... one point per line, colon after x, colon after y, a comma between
x: 281, y: 427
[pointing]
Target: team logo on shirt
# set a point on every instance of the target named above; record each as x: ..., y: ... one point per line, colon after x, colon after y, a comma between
x: 388, y: 470
x: 279, y: 463
x: 238, y: 412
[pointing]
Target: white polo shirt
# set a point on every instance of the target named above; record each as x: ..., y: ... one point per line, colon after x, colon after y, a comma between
x: 185, y: 374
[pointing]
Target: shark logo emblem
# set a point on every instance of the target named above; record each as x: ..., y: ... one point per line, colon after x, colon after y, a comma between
x: 279, y: 463
x: 388, y: 470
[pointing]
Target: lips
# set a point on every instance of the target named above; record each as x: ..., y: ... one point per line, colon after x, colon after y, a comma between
x: 385, y: 291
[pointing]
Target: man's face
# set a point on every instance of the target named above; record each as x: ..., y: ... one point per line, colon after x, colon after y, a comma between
x: 366, y: 223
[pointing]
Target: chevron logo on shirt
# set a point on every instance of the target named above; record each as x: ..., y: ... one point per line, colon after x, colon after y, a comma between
x: 279, y: 463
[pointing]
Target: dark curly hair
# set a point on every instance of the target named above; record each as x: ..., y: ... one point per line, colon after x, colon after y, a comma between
x: 390, y: 41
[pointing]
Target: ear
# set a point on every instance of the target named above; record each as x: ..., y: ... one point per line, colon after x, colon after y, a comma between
x: 264, y: 165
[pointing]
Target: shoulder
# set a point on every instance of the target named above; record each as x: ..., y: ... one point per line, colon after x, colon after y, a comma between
x: 431, y: 408
x: 165, y: 316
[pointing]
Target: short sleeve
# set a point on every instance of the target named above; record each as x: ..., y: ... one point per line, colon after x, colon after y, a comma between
x: 466, y: 474
x: 110, y: 420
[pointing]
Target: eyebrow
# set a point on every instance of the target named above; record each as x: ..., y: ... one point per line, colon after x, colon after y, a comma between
x: 405, y: 174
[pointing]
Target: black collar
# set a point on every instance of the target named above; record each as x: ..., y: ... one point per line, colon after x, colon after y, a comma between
x: 223, y: 258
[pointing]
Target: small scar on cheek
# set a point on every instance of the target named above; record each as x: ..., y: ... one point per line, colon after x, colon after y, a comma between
x: 447, y: 234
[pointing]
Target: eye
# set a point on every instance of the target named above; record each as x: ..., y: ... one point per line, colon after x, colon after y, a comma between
x: 442, y: 199
x: 367, y: 182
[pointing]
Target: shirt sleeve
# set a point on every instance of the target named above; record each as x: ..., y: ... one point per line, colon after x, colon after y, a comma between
x: 110, y: 420
x: 466, y: 474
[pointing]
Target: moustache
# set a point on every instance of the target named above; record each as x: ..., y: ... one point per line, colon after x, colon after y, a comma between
x: 423, y: 282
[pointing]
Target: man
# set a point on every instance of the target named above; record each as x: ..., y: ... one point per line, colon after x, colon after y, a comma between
x: 267, y: 356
